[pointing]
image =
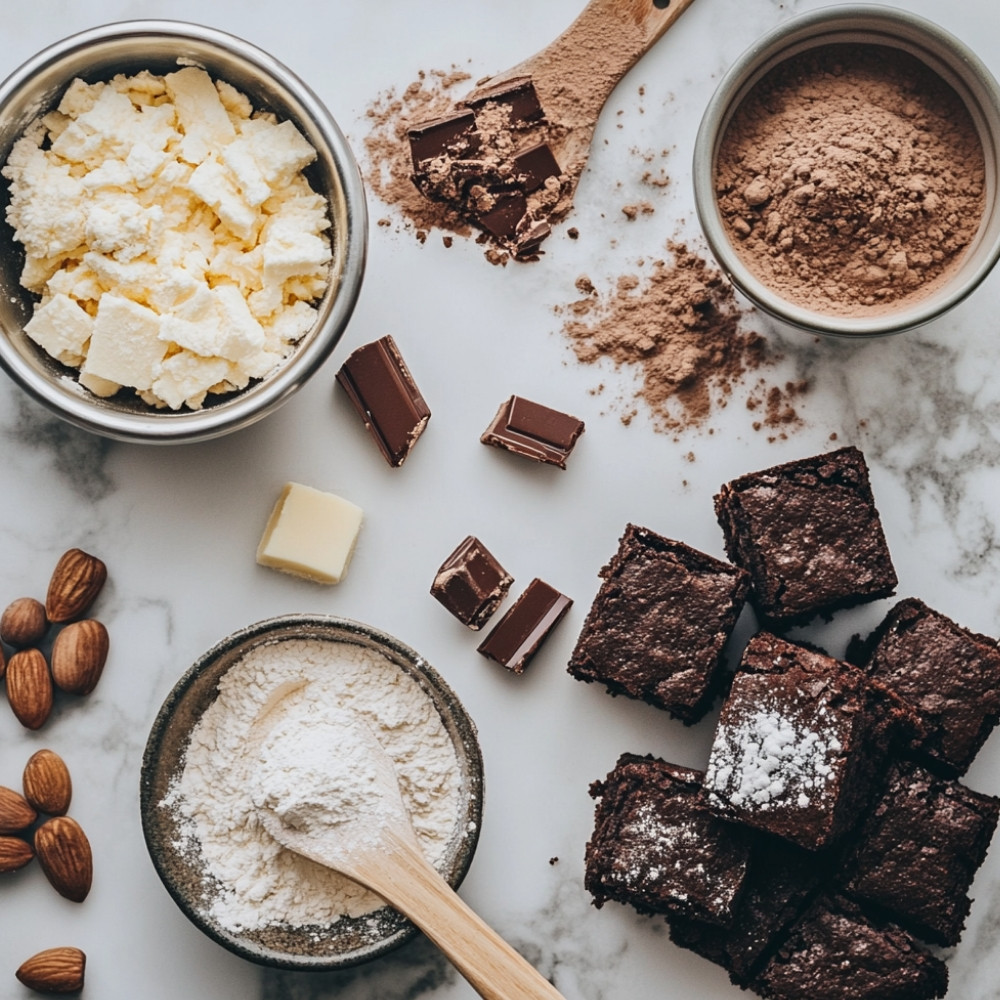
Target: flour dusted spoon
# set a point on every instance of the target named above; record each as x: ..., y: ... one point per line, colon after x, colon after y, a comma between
x: 326, y: 789
x: 512, y: 177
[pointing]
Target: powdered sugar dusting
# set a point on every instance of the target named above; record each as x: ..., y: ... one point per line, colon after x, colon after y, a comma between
x: 769, y: 760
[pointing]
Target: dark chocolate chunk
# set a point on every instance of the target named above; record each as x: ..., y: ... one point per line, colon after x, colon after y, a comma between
x: 534, y: 165
x: 501, y: 221
x: 471, y: 584
x: 517, y: 94
x: 530, y: 239
x: 380, y: 386
x: 521, y: 631
x: 453, y: 135
x: 534, y: 431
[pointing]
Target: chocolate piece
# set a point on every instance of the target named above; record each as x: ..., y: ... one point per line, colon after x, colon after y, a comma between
x: 947, y: 674
x: 531, y: 239
x: 837, y: 952
x: 658, y: 847
x: 919, y: 850
x: 534, y: 165
x: 453, y: 136
x: 521, y: 631
x: 502, y: 220
x: 809, y: 535
x: 518, y: 95
x: 658, y: 627
x: 798, y: 743
x: 380, y: 386
x: 534, y: 431
x: 471, y: 584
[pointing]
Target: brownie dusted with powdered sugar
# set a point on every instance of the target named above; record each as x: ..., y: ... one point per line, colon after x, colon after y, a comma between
x: 798, y: 742
x: 658, y: 846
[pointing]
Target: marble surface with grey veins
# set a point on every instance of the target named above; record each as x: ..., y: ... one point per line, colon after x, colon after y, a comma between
x: 178, y: 526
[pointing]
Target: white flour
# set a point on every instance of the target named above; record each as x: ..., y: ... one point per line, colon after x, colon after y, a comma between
x: 261, y: 883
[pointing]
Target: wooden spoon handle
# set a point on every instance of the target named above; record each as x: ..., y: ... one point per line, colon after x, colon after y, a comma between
x: 603, y: 44
x: 492, y: 967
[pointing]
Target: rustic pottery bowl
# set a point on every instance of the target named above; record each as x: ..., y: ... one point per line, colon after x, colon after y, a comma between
x: 350, y: 940
x: 161, y: 46
x: 864, y: 24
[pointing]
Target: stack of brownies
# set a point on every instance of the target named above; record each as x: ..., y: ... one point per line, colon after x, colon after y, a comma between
x: 828, y: 840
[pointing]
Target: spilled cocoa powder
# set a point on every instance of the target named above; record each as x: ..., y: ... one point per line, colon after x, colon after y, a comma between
x: 680, y: 327
x: 389, y: 167
x: 851, y: 177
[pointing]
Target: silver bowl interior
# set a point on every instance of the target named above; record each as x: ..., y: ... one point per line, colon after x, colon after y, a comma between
x: 162, y: 46
x: 857, y: 24
x: 349, y: 941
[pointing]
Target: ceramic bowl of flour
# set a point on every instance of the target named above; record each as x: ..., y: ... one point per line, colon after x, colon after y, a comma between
x: 154, y: 261
x: 846, y: 171
x: 215, y: 859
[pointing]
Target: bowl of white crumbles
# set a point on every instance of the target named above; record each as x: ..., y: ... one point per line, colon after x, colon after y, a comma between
x: 183, y: 231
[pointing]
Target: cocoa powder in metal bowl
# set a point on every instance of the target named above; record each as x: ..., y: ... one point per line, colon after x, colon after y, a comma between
x: 851, y: 177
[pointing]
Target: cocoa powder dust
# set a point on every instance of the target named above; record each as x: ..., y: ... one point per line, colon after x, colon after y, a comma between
x: 851, y: 177
x: 680, y: 328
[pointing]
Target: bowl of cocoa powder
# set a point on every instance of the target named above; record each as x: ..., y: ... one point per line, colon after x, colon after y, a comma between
x: 846, y: 172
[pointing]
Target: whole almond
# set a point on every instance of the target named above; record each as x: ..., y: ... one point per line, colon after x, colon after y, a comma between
x: 15, y: 812
x: 23, y: 622
x: 76, y: 582
x: 47, y: 784
x: 29, y: 688
x: 79, y: 653
x: 55, y: 970
x: 65, y: 856
x: 14, y: 853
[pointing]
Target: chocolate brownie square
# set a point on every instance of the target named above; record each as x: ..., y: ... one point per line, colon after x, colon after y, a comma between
x: 948, y: 675
x: 658, y: 627
x: 659, y: 847
x: 919, y: 850
x: 809, y: 535
x: 797, y: 744
x: 837, y: 952
x: 781, y: 881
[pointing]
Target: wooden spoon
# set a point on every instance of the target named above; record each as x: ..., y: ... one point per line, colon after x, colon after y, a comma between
x: 377, y: 847
x: 575, y: 75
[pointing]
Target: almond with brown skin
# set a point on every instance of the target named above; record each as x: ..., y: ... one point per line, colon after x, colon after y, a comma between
x: 14, y: 853
x: 79, y: 653
x: 16, y: 814
x: 55, y: 970
x: 76, y: 582
x: 29, y: 687
x: 23, y: 622
x: 64, y: 853
x: 47, y: 784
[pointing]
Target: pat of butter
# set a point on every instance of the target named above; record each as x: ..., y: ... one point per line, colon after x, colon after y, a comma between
x: 311, y: 534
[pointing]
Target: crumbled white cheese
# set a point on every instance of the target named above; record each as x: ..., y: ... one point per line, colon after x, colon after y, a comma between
x: 174, y: 242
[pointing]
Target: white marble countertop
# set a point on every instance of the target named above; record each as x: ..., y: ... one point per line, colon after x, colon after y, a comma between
x: 178, y: 526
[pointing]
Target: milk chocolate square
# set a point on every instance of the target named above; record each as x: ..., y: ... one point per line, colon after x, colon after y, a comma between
x: 534, y: 431
x: 379, y: 384
x: 471, y: 584
x: 521, y: 631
